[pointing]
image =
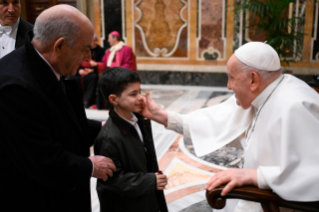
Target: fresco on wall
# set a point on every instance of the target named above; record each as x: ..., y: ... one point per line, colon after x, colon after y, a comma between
x: 211, y: 44
x: 161, y: 28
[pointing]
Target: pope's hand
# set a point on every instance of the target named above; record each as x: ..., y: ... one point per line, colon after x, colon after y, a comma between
x: 152, y: 111
x: 233, y: 178
x: 103, y: 167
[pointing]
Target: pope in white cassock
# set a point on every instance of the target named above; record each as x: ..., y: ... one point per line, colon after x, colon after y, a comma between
x: 279, y: 115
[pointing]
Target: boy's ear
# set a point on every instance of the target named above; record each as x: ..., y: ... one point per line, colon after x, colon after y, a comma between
x: 113, y: 99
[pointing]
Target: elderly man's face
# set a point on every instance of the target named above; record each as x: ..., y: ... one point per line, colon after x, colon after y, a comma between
x: 238, y: 83
x: 9, y: 12
x: 75, y: 55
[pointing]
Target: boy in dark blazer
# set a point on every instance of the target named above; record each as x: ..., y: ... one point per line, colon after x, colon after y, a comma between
x: 126, y: 138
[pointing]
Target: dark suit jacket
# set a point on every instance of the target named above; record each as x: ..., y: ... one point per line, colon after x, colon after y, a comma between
x: 23, y: 28
x: 44, y: 136
x: 133, y: 186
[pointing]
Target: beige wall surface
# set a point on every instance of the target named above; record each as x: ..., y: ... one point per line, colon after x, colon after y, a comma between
x: 195, y: 36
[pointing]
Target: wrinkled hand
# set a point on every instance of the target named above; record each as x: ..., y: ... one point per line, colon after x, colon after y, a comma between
x: 152, y: 111
x: 103, y: 167
x: 82, y: 72
x: 161, y: 181
x: 233, y: 178
x: 93, y: 63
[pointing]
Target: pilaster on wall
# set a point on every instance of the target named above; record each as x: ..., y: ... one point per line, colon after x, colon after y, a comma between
x: 129, y: 14
x: 230, y: 28
x: 97, y: 19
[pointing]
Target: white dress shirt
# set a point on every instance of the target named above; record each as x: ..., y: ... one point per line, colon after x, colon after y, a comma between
x: 135, y: 125
x: 7, y: 42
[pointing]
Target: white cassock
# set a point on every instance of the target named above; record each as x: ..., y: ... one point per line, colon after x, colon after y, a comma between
x: 282, y: 137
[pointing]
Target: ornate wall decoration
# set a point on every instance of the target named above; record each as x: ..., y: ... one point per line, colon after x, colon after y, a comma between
x: 314, y: 53
x: 161, y: 28
x: 211, y: 39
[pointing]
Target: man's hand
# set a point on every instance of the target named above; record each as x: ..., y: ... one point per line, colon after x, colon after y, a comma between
x: 233, y: 178
x: 85, y: 72
x: 93, y: 63
x: 161, y: 181
x: 152, y: 111
x: 103, y: 167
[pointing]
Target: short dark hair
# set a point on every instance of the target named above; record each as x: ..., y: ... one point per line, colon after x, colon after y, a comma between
x: 115, y: 80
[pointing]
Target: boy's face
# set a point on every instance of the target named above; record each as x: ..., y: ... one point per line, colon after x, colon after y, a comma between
x: 131, y: 99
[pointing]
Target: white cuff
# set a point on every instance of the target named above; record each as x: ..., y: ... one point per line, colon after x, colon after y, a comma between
x: 92, y: 168
x: 262, y: 184
x: 174, y: 122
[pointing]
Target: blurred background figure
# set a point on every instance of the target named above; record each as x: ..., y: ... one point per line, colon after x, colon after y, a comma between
x: 87, y: 75
x: 119, y: 55
x: 12, y: 28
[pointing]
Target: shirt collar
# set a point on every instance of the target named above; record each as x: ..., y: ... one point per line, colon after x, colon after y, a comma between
x: 14, y: 26
x: 129, y: 121
x: 54, y: 71
x: 261, y: 98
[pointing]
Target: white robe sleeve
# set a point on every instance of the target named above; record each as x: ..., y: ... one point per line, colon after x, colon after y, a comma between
x: 211, y: 128
x: 175, y: 122
x: 262, y: 183
x: 296, y: 176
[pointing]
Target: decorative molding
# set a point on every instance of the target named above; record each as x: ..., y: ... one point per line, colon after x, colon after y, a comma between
x: 159, y: 51
x: 314, y: 38
x: 123, y: 5
x: 102, y: 22
x: 184, y: 68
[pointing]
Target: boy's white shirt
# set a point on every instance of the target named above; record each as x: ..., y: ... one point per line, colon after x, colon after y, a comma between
x: 135, y: 125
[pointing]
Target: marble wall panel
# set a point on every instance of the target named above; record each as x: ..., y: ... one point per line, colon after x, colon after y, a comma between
x: 315, y: 32
x: 211, y: 44
x: 161, y: 28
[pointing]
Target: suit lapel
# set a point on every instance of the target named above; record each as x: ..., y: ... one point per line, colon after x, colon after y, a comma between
x: 49, y: 84
x: 23, y: 28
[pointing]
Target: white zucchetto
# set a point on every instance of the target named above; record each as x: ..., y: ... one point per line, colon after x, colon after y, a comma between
x: 259, y: 55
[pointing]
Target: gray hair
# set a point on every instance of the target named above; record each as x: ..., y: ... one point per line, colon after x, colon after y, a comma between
x: 54, y: 27
x: 94, y: 36
x: 265, y: 75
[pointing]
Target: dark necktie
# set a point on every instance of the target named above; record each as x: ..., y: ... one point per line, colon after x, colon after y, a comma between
x: 62, y: 84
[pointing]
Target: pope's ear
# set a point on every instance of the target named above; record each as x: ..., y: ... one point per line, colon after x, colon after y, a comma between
x: 113, y: 99
x: 254, y: 81
x: 60, y: 46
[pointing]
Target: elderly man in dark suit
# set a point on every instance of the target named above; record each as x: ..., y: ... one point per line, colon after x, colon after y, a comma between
x: 12, y: 28
x: 45, y: 135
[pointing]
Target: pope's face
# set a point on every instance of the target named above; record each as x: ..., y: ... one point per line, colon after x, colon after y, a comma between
x: 9, y: 12
x: 238, y: 83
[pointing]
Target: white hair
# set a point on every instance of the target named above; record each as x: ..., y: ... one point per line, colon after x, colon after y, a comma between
x: 51, y: 28
x: 265, y: 75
